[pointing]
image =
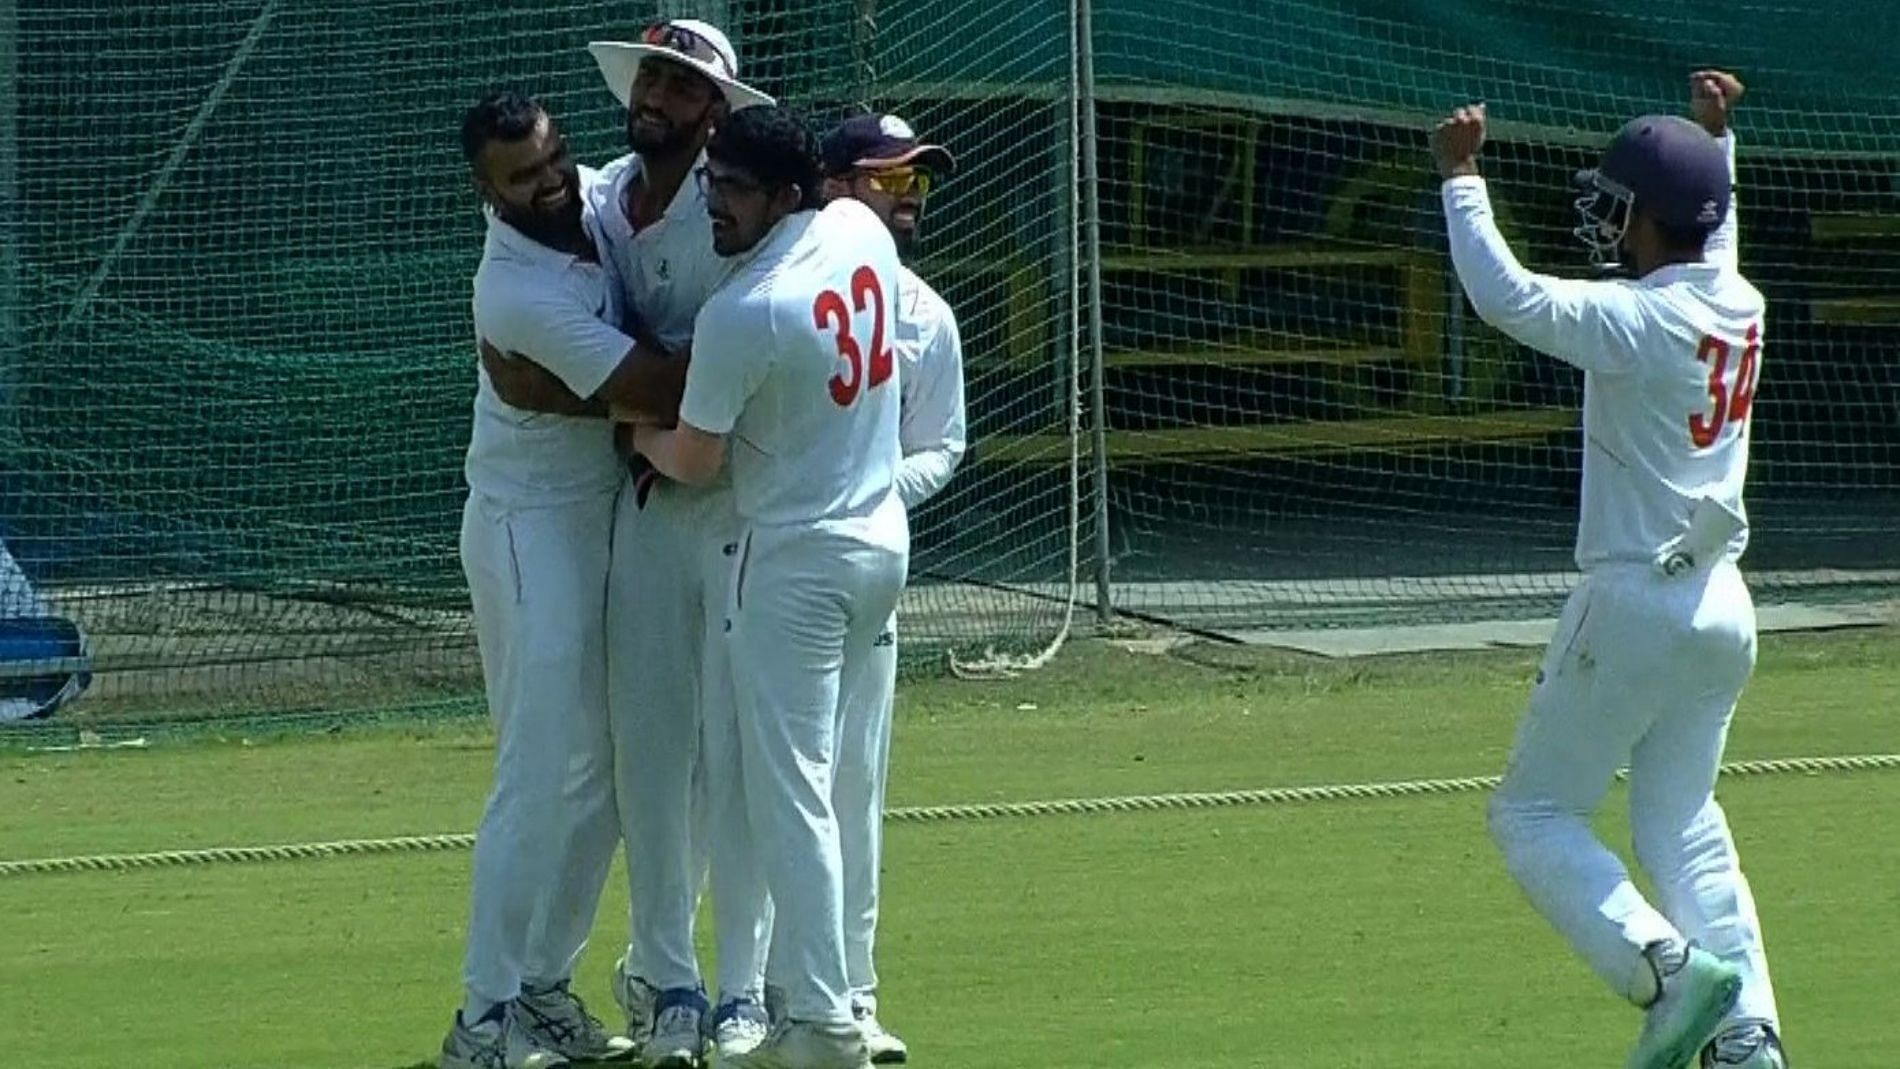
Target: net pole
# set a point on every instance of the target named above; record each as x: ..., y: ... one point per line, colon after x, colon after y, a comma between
x: 1092, y: 239
x: 1069, y: 294
x: 12, y: 334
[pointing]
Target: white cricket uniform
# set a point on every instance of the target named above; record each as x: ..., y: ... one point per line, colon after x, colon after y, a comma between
x: 793, y: 362
x: 1647, y: 661
x: 668, y: 689
x: 932, y: 437
x: 535, y: 537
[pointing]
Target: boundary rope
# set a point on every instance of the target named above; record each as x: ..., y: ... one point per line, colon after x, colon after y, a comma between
x: 414, y: 844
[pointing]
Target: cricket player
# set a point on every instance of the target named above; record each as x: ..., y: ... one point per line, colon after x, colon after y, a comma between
x: 879, y: 161
x: 794, y: 373
x: 535, y: 546
x: 674, y: 754
x: 1657, y: 641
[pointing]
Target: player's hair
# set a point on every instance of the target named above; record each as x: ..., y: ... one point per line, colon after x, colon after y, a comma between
x: 775, y: 146
x: 502, y: 115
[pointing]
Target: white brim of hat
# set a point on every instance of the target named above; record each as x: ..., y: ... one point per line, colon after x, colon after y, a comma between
x: 619, y: 61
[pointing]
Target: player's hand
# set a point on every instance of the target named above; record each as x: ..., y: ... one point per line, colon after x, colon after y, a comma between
x: 522, y: 383
x: 644, y: 437
x: 1713, y: 95
x: 510, y: 374
x: 1456, y: 140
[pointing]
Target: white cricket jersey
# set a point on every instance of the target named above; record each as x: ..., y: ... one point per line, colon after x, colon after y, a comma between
x: 562, y: 312
x: 930, y: 358
x: 793, y: 360
x: 1670, y: 365
x: 667, y: 270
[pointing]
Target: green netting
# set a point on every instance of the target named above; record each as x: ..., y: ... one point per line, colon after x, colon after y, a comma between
x: 1306, y: 424
x: 237, y: 240
x: 240, y: 364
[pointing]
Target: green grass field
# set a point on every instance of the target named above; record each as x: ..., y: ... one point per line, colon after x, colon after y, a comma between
x: 1326, y: 935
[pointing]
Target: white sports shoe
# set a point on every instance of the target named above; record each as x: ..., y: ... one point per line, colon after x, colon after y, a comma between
x: 805, y: 1045
x: 885, y: 1048
x: 1750, y: 1045
x: 557, y: 1020
x: 1698, y: 990
x: 738, y: 1027
x: 635, y: 997
x: 497, y: 1041
x: 679, y: 1030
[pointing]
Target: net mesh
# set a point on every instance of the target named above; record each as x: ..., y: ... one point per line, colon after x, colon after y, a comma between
x: 1307, y: 426
x: 238, y: 238
x: 237, y: 303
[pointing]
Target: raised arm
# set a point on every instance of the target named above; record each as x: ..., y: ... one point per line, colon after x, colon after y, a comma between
x: 1592, y: 325
x: 1713, y: 95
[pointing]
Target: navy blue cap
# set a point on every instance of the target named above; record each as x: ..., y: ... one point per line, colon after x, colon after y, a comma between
x: 874, y: 142
x: 1673, y: 169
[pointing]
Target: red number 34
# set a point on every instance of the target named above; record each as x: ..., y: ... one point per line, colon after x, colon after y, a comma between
x: 1732, y: 404
x: 830, y: 312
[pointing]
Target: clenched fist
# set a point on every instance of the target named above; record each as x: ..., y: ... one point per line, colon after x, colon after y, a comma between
x: 1456, y: 140
x: 1712, y: 96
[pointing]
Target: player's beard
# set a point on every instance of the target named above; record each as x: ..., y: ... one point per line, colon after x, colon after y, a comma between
x: 905, y: 239
x: 660, y: 137
x: 727, y: 237
x: 558, y: 227
x: 904, y: 231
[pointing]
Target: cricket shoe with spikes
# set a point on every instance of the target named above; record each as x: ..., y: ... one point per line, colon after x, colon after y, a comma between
x: 679, y: 1030
x: 635, y: 997
x: 885, y: 1047
x: 808, y: 1045
x: 557, y: 1019
x: 738, y: 1026
x: 1697, y: 989
x: 496, y: 1041
x: 1750, y: 1045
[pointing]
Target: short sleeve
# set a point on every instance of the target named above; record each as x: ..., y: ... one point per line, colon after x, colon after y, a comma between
x: 554, y: 327
x: 732, y: 351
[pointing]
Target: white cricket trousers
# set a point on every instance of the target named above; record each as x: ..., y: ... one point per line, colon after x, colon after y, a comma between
x: 1645, y: 670
x: 807, y: 606
x: 537, y: 578
x: 864, y: 756
x: 676, y: 726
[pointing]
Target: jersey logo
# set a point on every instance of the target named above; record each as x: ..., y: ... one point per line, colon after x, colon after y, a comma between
x: 831, y: 313
x: 1730, y: 403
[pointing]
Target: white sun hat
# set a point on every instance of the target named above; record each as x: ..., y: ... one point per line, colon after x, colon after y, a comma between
x: 689, y: 42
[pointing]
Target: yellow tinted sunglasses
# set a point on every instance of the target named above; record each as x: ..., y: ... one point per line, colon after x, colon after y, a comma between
x: 899, y: 181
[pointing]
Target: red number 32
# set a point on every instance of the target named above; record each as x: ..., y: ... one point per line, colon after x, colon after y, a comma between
x: 830, y: 312
x: 1732, y: 404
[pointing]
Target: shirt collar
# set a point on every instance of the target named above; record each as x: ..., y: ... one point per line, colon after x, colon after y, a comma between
x: 505, y: 236
x: 687, y: 200
x: 1676, y: 272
